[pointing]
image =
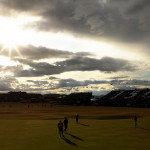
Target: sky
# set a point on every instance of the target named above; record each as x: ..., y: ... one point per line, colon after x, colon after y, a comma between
x: 66, y: 46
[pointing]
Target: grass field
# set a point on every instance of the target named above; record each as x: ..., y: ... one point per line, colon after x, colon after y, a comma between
x: 99, y: 128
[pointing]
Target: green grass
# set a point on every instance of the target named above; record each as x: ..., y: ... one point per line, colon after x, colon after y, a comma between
x: 90, y: 134
x: 37, y: 130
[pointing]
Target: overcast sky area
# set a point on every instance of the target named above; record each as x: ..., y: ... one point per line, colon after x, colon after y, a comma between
x: 66, y: 46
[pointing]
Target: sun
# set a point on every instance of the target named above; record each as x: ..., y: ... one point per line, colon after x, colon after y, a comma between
x: 10, y: 39
x: 12, y: 31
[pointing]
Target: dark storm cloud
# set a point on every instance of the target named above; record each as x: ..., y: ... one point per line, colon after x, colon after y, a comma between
x: 106, y: 64
x: 6, y: 83
x: 138, y: 6
x: 32, y: 52
x: 36, y: 53
x: 90, y: 18
x: 27, y: 5
x: 38, y: 69
x: 61, y: 83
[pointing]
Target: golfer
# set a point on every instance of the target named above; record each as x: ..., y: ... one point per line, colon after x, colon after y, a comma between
x: 60, y: 127
x: 77, y: 117
x: 135, y: 121
x: 65, y: 124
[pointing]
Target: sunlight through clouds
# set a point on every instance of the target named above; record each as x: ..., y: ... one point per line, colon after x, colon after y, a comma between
x: 56, y: 46
x: 6, y: 61
x: 13, y: 32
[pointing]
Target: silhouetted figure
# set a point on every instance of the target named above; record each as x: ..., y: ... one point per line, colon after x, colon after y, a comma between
x: 77, y: 117
x: 60, y: 127
x: 135, y: 121
x: 65, y: 124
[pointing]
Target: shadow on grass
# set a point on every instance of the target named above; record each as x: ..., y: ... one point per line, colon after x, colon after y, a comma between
x: 75, y: 137
x: 107, y: 117
x: 114, y: 117
x: 83, y: 124
x: 144, y: 129
x: 69, y: 142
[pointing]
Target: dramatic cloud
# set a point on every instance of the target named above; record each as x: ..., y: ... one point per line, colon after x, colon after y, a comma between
x: 119, y: 77
x: 36, y: 53
x: 93, y: 18
x: 109, y: 30
x: 52, y: 78
x: 37, y: 83
x: 7, y: 83
x: 25, y: 6
x: 138, y: 6
x: 72, y: 84
x: 61, y: 83
x: 105, y: 64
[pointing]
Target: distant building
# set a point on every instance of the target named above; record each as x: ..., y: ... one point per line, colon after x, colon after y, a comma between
x: 17, y: 96
x: 35, y: 97
x: 77, y: 99
x: 52, y: 98
x: 20, y: 97
x: 4, y: 97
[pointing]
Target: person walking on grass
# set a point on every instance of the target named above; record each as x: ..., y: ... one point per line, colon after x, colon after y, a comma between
x: 60, y: 127
x: 77, y: 117
x: 135, y: 121
x: 65, y: 124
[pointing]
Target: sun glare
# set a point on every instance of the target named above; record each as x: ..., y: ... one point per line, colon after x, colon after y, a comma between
x: 14, y: 34
x: 12, y: 31
x: 6, y: 61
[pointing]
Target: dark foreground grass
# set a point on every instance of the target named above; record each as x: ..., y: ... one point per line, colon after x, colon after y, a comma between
x: 101, y: 131
x: 88, y: 134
